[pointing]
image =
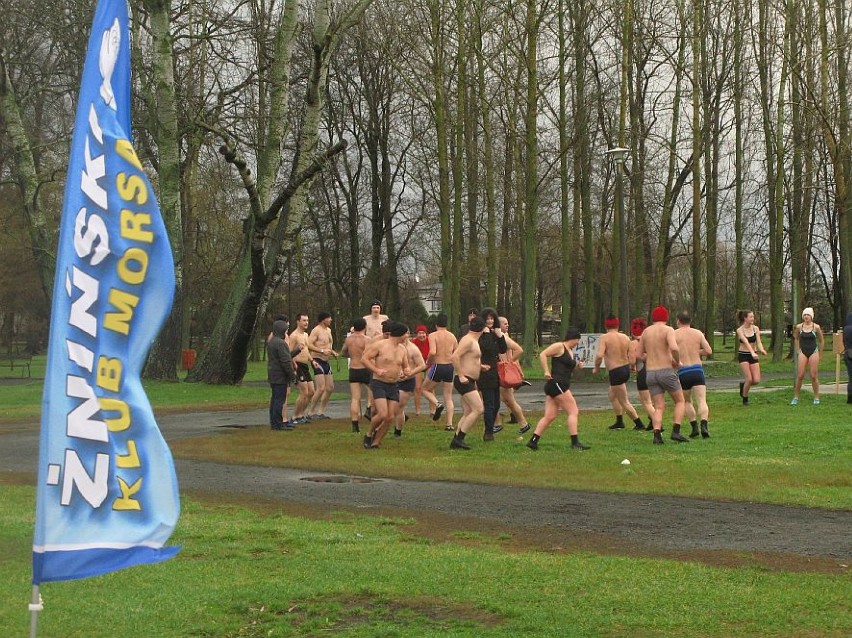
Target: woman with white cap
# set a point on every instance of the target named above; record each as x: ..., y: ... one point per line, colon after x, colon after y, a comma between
x: 808, y: 341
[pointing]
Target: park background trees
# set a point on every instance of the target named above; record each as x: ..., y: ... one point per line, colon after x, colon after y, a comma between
x: 316, y: 155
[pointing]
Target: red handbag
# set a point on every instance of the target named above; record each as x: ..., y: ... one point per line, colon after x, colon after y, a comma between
x: 511, y: 374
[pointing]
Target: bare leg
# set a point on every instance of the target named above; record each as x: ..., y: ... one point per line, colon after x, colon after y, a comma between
x: 689, y: 409
x: 399, y: 419
x: 813, y: 362
x: 449, y: 406
x: 801, y: 365
x: 428, y: 392
x: 418, y: 392
x: 306, y: 391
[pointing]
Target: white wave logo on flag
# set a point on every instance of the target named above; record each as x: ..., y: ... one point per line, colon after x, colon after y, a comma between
x: 107, y: 491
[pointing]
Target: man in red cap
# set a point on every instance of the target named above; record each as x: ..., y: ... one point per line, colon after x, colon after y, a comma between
x: 421, y: 340
x: 614, y: 352
x: 662, y: 357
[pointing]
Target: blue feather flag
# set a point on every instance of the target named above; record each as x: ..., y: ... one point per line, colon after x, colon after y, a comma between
x: 107, y: 495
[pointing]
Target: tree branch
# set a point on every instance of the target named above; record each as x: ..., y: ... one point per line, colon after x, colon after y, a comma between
x: 312, y: 169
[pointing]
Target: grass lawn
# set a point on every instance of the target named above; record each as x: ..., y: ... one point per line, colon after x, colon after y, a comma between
x: 260, y: 570
x: 253, y: 572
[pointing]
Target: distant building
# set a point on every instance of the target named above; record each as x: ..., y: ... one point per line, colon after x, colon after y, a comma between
x: 431, y: 296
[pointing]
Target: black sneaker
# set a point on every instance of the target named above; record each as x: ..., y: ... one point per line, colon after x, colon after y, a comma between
x: 617, y: 426
x: 368, y: 413
x: 438, y: 410
x: 498, y: 428
x: 640, y: 427
x: 458, y: 444
x: 368, y: 441
x: 450, y: 428
x: 513, y: 418
x: 524, y: 428
x: 579, y: 446
x: 488, y: 436
x: 355, y: 427
x: 649, y: 427
x: 658, y: 438
x: 533, y: 445
x: 680, y: 438
x: 745, y: 401
x: 705, y: 433
x: 397, y: 432
x: 695, y: 433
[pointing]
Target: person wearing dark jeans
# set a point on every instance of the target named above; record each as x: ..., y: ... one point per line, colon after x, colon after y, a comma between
x: 280, y: 374
x: 847, y: 344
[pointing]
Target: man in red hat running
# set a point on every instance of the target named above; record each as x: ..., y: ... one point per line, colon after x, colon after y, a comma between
x: 658, y: 346
x: 614, y: 352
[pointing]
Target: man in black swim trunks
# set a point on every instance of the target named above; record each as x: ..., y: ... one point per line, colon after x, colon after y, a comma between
x: 353, y: 347
x: 614, y: 352
x: 693, y: 345
x: 468, y: 364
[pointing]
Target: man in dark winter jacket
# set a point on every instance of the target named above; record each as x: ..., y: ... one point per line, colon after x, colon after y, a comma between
x: 279, y: 373
x: 847, y: 344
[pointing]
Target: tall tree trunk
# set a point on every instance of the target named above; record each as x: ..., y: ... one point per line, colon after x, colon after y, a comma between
x: 529, y: 268
x: 491, y: 261
x: 565, y: 190
x: 450, y: 296
x: 774, y: 169
x: 582, y: 155
x: 164, y: 356
x: 675, y: 178
x: 266, y: 258
x: 698, y: 283
x: 458, y: 159
x: 843, y: 161
x: 799, y: 229
x: 739, y: 161
x: 26, y: 177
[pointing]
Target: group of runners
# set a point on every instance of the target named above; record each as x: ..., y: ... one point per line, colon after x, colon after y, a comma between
x: 387, y: 361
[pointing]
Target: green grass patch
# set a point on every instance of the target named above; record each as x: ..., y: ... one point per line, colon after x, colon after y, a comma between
x: 256, y: 572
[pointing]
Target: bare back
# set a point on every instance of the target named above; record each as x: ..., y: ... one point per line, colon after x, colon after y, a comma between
x: 692, y: 344
x: 659, y: 345
x: 442, y: 344
x: 354, y: 347
x: 614, y: 348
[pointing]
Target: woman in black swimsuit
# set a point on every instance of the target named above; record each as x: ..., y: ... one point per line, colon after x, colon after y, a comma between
x: 557, y: 388
x: 748, y: 336
x: 809, y: 341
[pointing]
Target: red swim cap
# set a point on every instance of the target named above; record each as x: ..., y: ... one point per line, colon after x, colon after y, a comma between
x: 611, y: 323
x: 422, y: 328
x: 637, y: 326
x: 660, y: 313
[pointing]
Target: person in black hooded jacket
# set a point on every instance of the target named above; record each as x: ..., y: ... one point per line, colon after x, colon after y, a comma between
x: 279, y: 373
x: 847, y: 344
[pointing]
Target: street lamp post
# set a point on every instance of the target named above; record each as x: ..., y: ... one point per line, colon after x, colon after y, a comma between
x: 618, y: 155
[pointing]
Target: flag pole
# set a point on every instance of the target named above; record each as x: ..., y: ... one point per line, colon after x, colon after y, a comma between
x: 36, y: 605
